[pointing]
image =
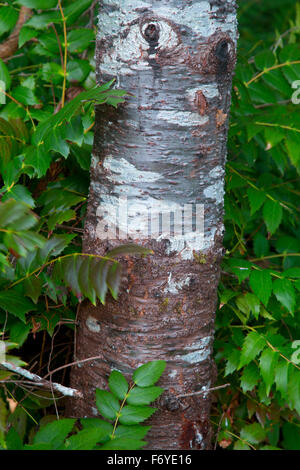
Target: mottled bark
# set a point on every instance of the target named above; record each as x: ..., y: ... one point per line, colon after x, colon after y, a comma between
x: 166, y: 146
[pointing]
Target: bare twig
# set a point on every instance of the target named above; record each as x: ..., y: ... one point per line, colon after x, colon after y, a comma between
x: 39, y: 381
x: 202, y: 391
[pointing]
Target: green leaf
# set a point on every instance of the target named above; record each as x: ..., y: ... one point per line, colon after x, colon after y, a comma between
x: 118, y: 384
x: 123, y: 444
x: 51, y: 72
x: 13, y: 440
x: 56, y: 142
x: 135, y: 414
x: 281, y: 377
x: 38, y: 4
x: 60, y: 217
x: 8, y: 19
x: 261, y: 285
x: 267, y: 364
x: 44, y: 19
x: 260, y: 245
x: 38, y: 158
x: 80, y: 39
x: 114, y: 279
x: 98, y: 275
x: 25, y: 35
x: 272, y: 213
x: 253, y: 433
x: 78, y: 70
x: 53, y: 434
x: 4, y: 75
x: 86, y: 439
x: 250, y: 377
x: 149, y: 373
x: 92, y: 423
x: 253, y: 345
x: 132, y: 432
x: 285, y: 293
x: 107, y: 404
x: 143, y: 396
x: 233, y: 360
x: 294, y: 389
x: 256, y: 199
x: 84, y: 279
x: 264, y: 59
x: 3, y: 418
x: 291, y: 436
x: 33, y: 288
x: 19, y: 193
x: 24, y: 95
x: 240, y: 445
x: 16, y: 303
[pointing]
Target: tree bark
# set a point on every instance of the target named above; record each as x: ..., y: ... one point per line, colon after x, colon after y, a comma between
x: 165, y: 148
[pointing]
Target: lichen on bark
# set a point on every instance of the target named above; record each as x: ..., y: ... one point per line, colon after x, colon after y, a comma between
x: 165, y: 147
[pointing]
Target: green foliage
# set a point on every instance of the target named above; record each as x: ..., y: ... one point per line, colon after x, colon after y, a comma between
x: 258, y: 317
x: 124, y: 433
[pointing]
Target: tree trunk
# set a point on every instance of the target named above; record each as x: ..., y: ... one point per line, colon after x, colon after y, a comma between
x: 165, y: 151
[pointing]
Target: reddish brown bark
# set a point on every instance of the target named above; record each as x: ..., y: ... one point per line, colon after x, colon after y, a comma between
x: 167, y: 143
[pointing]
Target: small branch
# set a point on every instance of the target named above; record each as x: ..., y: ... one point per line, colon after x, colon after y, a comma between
x: 202, y: 391
x: 66, y: 391
x: 10, y: 45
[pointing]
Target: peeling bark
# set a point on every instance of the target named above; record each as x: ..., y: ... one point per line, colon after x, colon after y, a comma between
x: 166, y: 146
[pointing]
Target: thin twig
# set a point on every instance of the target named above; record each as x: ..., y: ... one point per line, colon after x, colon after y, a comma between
x: 202, y: 391
x: 75, y: 363
x: 39, y: 381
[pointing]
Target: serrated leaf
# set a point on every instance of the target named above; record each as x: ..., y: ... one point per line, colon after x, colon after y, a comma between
x: 60, y: 217
x: 13, y: 440
x: 86, y: 439
x: 285, y: 293
x: 253, y: 433
x: 132, y: 432
x: 25, y: 35
x: 261, y: 285
x: 256, y: 199
x: 143, y: 396
x: 107, y: 404
x: 253, y: 345
x: 16, y: 303
x: 92, y: 423
x: 233, y: 360
x: 272, y: 213
x: 267, y: 364
x: 54, y: 433
x: 114, y: 279
x: 38, y: 4
x: 250, y: 377
x: 19, y: 193
x: 118, y: 384
x: 123, y: 443
x: 149, y: 373
x: 98, y: 275
x: 33, y: 288
x: 84, y: 281
x: 135, y: 414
